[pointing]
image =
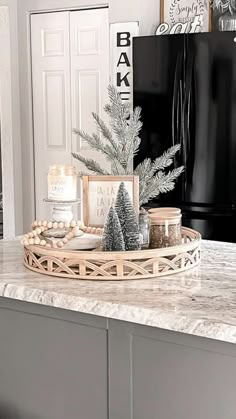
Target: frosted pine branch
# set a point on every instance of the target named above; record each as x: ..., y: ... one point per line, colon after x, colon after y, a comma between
x: 125, y: 125
x: 119, y: 113
x: 120, y: 143
x: 143, y: 170
x: 134, y: 126
x: 166, y: 159
x: 95, y: 143
x: 118, y: 169
x: 160, y: 183
x: 117, y: 109
x: 105, y: 131
x: 91, y: 164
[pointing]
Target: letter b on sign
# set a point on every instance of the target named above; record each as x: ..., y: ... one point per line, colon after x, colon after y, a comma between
x: 123, y: 39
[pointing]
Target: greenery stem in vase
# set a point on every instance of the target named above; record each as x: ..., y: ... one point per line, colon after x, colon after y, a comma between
x: 223, y: 6
x: 120, y: 143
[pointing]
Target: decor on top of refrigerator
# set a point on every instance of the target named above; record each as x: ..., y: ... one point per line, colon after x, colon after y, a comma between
x: 224, y: 14
x: 184, y: 13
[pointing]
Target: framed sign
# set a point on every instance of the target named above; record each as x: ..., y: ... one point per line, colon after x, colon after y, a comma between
x: 173, y: 12
x: 99, y: 193
x: 121, y: 37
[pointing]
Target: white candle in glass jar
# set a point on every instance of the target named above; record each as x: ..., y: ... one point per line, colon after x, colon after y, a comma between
x: 62, y: 183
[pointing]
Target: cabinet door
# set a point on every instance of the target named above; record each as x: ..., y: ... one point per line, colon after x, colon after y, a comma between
x: 51, y: 98
x: 89, y: 33
x: 156, y: 374
x: 53, y: 363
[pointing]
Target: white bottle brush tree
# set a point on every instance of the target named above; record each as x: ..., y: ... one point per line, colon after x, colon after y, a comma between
x: 121, y: 230
x: 120, y: 143
x: 128, y: 219
x: 112, y: 239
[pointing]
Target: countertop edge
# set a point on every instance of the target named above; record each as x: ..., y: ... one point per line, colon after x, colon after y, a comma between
x: 123, y: 312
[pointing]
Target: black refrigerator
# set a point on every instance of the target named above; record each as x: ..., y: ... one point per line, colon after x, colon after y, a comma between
x: 186, y: 87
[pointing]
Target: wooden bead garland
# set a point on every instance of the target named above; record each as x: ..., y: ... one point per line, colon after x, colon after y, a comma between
x: 41, y: 226
x: 91, y: 230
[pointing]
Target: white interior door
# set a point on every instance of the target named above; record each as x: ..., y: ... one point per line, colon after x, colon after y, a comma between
x: 70, y: 72
x: 51, y: 98
x: 89, y: 30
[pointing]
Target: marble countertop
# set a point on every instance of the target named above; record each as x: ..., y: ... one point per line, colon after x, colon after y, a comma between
x: 200, y: 302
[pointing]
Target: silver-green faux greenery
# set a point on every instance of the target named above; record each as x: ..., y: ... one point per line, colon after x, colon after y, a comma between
x: 128, y: 219
x: 112, y: 239
x: 120, y: 143
x: 224, y: 6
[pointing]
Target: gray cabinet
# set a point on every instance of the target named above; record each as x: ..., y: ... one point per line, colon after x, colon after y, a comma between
x: 155, y: 374
x: 57, y: 364
x: 53, y: 363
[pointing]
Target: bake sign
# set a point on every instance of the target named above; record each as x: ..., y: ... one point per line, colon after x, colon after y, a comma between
x: 121, y: 39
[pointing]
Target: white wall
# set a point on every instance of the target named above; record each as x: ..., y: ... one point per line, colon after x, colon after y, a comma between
x: 10, y: 120
x: 144, y: 11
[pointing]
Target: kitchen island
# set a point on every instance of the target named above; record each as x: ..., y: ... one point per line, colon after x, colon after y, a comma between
x: 148, y: 349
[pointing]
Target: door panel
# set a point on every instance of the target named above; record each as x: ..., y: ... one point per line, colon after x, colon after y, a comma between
x: 89, y: 31
x: 213, y: 144
x: 51, y: 98
x: 55, y: 124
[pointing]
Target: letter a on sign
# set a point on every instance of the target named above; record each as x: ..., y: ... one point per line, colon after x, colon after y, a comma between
x: 121, y: 40
x: 123, y: 59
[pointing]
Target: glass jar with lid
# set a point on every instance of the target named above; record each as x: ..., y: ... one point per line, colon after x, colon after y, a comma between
x: 165, y: 210
x: 165, y: 230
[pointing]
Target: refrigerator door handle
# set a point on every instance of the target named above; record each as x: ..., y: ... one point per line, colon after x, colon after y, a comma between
x: 188, y: 98
x: 174, y: 105
x: 191, y: 116
x: 176, y: 101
